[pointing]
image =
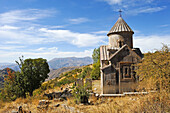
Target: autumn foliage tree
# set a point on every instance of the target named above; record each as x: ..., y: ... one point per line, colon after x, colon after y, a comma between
x: 154, y: 72
x: 155, y: 69
x: 33, y: 73
x: 10, y: 83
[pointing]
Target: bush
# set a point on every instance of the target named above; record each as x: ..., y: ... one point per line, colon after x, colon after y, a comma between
x: 81, y: 94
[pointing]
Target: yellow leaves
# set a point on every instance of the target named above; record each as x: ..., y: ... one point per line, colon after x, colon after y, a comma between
x: 155, y: 69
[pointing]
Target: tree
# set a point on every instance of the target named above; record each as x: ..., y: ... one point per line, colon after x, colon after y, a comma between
x: 33, y: 73
x: 96, y: 55
x: 154, y: 72
x: 95, y: 73
x: 155, y: 69
x: 9, y: 85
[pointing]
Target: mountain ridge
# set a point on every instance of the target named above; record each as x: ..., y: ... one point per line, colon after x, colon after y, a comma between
x: 56, y: 63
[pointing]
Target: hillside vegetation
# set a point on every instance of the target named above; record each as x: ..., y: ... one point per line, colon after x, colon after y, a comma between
x: 54, y: 73
x: 153, y: 71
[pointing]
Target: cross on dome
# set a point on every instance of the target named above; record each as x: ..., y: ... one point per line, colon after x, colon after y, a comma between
x: 120, y: 11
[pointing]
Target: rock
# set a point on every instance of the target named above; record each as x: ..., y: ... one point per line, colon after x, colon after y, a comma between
x: 42, y: 102
x: 91, y: 102
x: 59, y: 100
x: 96, y: 94
x: 81, y: 104
x: 53, y: 95
x: 14, y: 112
x: 57, y: 105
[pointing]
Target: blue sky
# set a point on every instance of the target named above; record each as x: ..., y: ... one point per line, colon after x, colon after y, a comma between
x: 67, y: 28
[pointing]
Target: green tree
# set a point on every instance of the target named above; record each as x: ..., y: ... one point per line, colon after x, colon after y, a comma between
x: 95, y: 73
x: 96, y: 55
x: 33, y: 73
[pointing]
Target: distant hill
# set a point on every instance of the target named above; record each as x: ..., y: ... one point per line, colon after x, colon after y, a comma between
x: 9, y: 65
x: 57, y: 63
x: 56, y: 72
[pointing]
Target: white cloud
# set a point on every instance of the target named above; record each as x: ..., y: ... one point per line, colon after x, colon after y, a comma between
x: 8, y: 27
x: 134, y: 7
x: 165, y: 25
x: 19, y: 37
x: 101, y: 32
x: 78, y: 20
x: 151, y: 43
x: 112, y: 2
x: 78, y: 39
x: 145, y: 10
x: 32, y: 35
x: 10, y: 47
x: 44, y: 49
x: 56, y: 27
x: 24, y: 15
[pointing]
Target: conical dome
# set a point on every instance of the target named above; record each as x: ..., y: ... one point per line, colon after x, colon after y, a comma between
x: 120, y: 26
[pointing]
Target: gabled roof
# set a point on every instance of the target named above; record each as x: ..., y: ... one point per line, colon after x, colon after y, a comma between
x: 121, y: 50
x: 120, y: 26
x: 104, y: 54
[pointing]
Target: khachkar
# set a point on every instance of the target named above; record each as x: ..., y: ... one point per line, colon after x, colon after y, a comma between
x: 117, y: 60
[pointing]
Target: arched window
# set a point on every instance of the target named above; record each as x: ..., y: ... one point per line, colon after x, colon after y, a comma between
x: 127, y: 71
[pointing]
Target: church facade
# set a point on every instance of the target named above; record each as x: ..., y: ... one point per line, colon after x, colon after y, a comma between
x: 118, y: 60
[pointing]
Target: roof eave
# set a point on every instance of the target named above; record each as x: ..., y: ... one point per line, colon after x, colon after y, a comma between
x: 118, y: 32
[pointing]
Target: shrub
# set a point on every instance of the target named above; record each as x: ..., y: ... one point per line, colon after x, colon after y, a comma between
x: 81, y: 94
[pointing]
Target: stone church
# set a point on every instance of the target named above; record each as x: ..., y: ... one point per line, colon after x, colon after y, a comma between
x: 117, y: 60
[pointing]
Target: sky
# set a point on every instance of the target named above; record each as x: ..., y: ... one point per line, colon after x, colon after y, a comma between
x: 73, y: 28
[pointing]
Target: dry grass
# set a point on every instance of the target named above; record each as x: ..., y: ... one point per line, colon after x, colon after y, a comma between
x: 153, y: 102
x: 127, y: 104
